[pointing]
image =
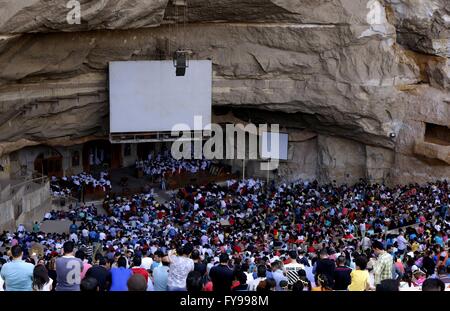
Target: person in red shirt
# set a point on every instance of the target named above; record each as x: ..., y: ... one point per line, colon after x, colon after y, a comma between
x: 344, y: 211
x: 231, y: 221
x: 202, y: 202
x: 311, y: 248
x: 137, y: 261
x: 237, y: 248
x: 348, y: 235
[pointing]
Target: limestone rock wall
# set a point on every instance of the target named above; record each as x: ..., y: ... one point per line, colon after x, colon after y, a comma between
x: 363, y: 74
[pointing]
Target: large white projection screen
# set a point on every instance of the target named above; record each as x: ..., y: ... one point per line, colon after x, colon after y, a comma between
x: 147, y: 96
x: 269, y: 149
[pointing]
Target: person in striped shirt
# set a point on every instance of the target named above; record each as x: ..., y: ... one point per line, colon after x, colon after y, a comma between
x: 292, y: 268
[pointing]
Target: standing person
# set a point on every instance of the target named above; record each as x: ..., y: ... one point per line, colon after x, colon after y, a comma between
x: 342, y: 278
x: 180, y: 266
x: 17, y: 274
x: 198, y: 264
x: 277, y: 275
x: 260, y: 276
x: 36, y: 227
x: 137, y: 269
x: 402, y: 243
x: 161, y: 275
x: 147, y: 261
x: 325, y: 266
x: 68, y: 269
x: 366, y: 243
x: 100, y: 272
x: 362, y: 228
x: 41, y: 280
x: 292, y: 268
x: 429, y: 265
x: 86, y: 265
x: 51, y: 268
x: 118, y: 277
x: 383, y: 265
x: 157, y: 260
x: 221, y: 275
x: 73, y: 227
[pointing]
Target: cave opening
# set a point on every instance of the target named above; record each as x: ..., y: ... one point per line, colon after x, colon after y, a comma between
x: 50, y: 164
x: 437, y: 134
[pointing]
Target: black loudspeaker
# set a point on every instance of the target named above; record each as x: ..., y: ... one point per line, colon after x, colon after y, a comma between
x: 181, y: 71
x: 180, y: 62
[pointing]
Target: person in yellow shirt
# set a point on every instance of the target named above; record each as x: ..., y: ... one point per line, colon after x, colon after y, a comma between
x: 415, y: 246
x: 360, y: 276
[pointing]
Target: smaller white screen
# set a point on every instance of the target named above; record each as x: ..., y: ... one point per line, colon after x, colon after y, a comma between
x: 275, y: 145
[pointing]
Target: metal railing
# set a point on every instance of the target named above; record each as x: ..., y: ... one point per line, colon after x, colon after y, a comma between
x: 40, y: 180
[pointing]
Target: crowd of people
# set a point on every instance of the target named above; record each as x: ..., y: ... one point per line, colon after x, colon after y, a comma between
x: 74, y: 185
x: 163, y: 165
x: 244, y: 236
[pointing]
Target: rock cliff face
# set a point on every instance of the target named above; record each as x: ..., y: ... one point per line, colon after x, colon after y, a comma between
x: 366, y: 76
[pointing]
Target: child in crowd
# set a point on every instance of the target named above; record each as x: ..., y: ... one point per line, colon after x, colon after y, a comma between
x: 360, y: 276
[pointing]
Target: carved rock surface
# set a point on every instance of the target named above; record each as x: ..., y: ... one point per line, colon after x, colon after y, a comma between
x: 366, y: 75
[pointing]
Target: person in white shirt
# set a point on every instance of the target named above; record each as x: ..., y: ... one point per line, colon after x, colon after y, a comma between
x: 250, y: 278
x: 146, y: 262
x: 362, y: 228
x: 21, y: 228
x: 74, y: 237
x: 102, y: 236
x: 292, y: 268
x: 366, y: 243
x: 260, y: 276
x: 41, y: 280
x: 2, y: 283
x: 179, y: 268
x: 85, y: 233
x: 402, y: 243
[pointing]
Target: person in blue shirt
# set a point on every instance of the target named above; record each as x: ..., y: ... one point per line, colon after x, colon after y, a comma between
x: 113, y: 232
x: 277, y: 275
x: 73, y: 227
x: 17, y: 274
x: 93, y: 236
x: 161, y: 275
x: 438, y: 240
x: 172, y: 233
x: 118, y: 277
